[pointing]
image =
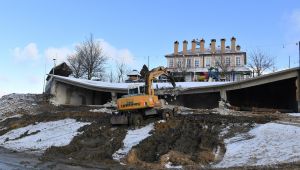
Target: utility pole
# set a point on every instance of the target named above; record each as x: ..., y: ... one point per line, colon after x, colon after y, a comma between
x: 289, y: 61
x: 299, y: 53
x: 53, y: 65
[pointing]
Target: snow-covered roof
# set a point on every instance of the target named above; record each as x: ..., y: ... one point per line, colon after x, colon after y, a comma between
x: 134, y: 73
x: 187, y: 87
x: 122, y: 87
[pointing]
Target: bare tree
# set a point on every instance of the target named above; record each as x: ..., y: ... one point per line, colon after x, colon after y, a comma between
x: 75, y: 64
x: 121, y: 71
x: 111, y: 76
x: 222, y: 65
x: 92, y: 57
x: 259, y: 62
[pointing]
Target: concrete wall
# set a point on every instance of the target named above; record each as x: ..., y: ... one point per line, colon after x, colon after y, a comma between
x: 68, y: 94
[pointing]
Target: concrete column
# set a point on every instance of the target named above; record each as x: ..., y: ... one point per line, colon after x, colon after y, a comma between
x: 223, y: 102
x: 114, y: 96
x: 223, y: 94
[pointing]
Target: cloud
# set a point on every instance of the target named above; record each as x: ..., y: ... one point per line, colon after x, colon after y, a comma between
x: 117, y: 55
x: 29, y: 52
x: 60, y: 54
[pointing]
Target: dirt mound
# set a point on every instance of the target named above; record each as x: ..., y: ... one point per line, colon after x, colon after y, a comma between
x: 97, y: 143
x: 190, y: 139
x: 19, y: 103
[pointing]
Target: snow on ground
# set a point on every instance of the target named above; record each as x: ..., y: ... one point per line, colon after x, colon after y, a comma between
x: 294, y: 114
x: 9, y: 117
x: 41, y: 135
x: 102, y: 110
x: 132, y: 138
x: 271, y: 143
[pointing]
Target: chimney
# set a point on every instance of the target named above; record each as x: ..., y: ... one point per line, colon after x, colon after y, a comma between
x: 223, y: 45
x: 176, y: 43
x: 213, y: 46
x: 233, y: 40
x: 238, y: 48
x: 184, y: 50
x: 193, y: 46
x: 202, y: 49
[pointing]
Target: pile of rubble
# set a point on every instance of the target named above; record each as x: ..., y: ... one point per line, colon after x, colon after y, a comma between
x: 13, y: 104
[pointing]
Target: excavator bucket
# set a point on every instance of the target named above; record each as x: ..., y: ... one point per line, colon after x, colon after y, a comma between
x: 119, y: 120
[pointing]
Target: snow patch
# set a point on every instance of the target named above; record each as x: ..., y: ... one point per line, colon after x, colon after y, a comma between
x: 40, y: 136
x: 132, y: 138
x: 14, y: 116
x: 169, y: 165
x: 267, y: 144
x: 294, y: 114
x: 102, y: 110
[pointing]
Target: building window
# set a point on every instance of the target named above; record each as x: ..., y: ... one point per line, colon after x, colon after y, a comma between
x: 218, y: 61
x: 207, y: 61
x: 238, y: 61
x: 188, y: 63
x: 197, y: 63
x: 179, y: 63
x: 171, y: 63
x: 227, y: 61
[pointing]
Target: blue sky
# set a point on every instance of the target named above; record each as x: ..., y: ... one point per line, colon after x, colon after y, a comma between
x: 33, y: 32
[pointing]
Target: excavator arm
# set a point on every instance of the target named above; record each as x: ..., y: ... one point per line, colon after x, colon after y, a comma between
x: 154, y: 73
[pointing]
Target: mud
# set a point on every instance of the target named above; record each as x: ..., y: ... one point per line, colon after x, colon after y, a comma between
x: 190, y: 140
x: 97, y: 143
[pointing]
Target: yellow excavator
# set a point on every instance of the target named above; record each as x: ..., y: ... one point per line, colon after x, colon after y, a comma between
x: 141, y: 101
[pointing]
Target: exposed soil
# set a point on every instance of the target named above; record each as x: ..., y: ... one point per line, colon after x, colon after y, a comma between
x: 192, y: 140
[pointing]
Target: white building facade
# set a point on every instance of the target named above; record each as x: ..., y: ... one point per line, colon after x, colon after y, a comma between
x: 198, y: 64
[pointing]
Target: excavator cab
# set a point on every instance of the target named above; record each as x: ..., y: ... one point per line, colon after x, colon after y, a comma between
x: 136, y: 90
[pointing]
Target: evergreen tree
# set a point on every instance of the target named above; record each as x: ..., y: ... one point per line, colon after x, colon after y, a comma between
x: 144, y: 71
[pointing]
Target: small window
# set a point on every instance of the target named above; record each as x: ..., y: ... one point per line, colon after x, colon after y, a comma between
x: 142, y: 89
x: 188, y: 63
x: 179, y: 63
x: 133, y: 91
x: 171, y: 63
x: 207, y: 62
x: 218, y: 61
x: 238, y: 61
x: 197, y: 63
x: 227, y: 61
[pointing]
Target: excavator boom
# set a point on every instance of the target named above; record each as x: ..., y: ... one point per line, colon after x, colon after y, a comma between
x: 154, y: 73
